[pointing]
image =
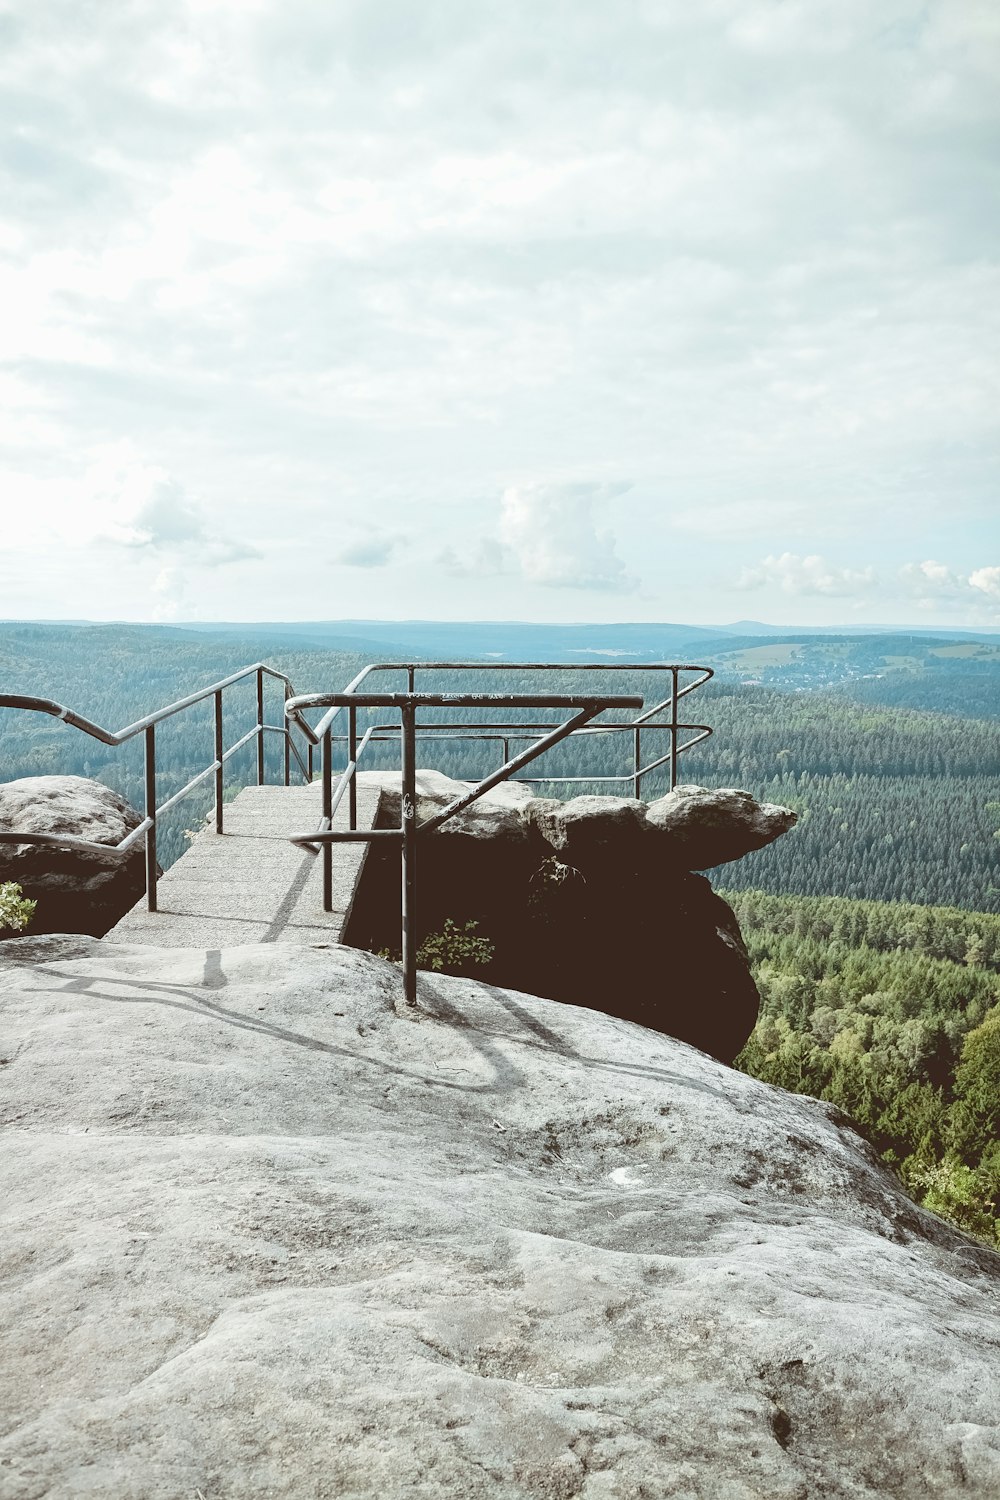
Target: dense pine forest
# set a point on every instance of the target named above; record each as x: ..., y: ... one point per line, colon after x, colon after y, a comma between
x: 872, y: 926
x: 891, y: 1013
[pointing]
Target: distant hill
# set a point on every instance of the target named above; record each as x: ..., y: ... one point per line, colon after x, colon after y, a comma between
x: 492, y: 640
x: 759, y: 627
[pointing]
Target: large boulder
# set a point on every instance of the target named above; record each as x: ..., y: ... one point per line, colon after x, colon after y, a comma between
x: 267, y: 1235
x: 590, y: 901
x: 706, y: 826
x: 77, y: 890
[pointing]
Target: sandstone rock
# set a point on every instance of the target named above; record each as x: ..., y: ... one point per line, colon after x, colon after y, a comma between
x: 585, y: 901
x: 588, y: 827
x: 76, y: 890
x: 712, y: 825
x: 494, y: 815
x: 266, y: 1237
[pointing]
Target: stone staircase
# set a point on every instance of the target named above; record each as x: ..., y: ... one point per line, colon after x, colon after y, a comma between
x: 249, y: 884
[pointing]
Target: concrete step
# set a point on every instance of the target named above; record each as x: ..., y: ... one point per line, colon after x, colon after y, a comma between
x: 249, y: 884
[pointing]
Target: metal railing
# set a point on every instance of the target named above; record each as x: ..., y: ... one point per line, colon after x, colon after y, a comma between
x: 586, y: 707
x: 507, y: 733
x: 147, y: 728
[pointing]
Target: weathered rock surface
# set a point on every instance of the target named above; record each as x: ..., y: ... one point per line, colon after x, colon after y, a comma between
x: 712, y: 825
x: 589, y: 901
x: 267, y: 1237
x: 76, y: 890
x: 693, y: 827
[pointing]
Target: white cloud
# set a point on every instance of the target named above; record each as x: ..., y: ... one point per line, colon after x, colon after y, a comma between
x: 933, y: 580
x: 988, y: 580
x: 804, y: 576
x: 136, y: 504
x: 934, y: 584
x: 552, y: 533
x: 548, y: 534
x: 752, y: 265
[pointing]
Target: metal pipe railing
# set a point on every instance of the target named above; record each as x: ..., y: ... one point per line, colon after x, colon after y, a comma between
x: 147, y: 728
x: 586, y: 708
x: 320, y: 735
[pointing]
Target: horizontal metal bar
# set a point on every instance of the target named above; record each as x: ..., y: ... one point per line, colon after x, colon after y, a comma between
x: 465, y: 700
x: 531, y: 666
x: 67, y: 841
x: 315, y: 735
x: 519, y: 729
x: 338, y: 836
x: 312, y: 846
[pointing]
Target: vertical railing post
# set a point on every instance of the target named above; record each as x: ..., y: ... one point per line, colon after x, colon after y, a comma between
x: 327, y: 819
x: 352, y: 755
x: 408, y: 819
x: 287, y: 741
x: 673, y: 728
x: 150, y: 780
x: 218, y: 761
x: 309, y: 760
x: 260, y: 727
x: 410, y: 677
x: 636, y: 762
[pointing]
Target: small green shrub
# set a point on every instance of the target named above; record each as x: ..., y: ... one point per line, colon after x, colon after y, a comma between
x: 16, y: 911
x: 453, y: 950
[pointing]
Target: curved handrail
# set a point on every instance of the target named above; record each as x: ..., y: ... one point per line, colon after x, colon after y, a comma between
x: 147, y: 726
x: 119, y: 736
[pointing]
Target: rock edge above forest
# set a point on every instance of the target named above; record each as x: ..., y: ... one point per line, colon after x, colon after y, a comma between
x: 269, y: 1235
x: 591, y: 901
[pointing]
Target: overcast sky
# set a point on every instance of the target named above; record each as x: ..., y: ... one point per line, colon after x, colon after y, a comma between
x: 541, y: 309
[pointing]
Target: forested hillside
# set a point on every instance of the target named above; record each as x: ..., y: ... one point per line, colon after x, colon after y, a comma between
x: 890, y: 1012
x: 894, y: 804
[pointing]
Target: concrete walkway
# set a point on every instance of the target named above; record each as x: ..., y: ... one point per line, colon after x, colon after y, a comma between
x: 249, y: 884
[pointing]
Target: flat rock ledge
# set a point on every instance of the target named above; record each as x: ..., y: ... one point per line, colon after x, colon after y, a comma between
x: 267, y: 1235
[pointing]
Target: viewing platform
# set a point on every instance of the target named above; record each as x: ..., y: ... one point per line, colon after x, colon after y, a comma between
x: 249, y: 884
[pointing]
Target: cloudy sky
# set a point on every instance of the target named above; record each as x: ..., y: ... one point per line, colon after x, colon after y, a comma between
x: 542, y: 309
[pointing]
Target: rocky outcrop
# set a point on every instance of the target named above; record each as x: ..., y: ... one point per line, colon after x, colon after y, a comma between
x: 265, y: 1235
x: 709, y: 826
x: 77, y: 890
x: 590, y: 901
